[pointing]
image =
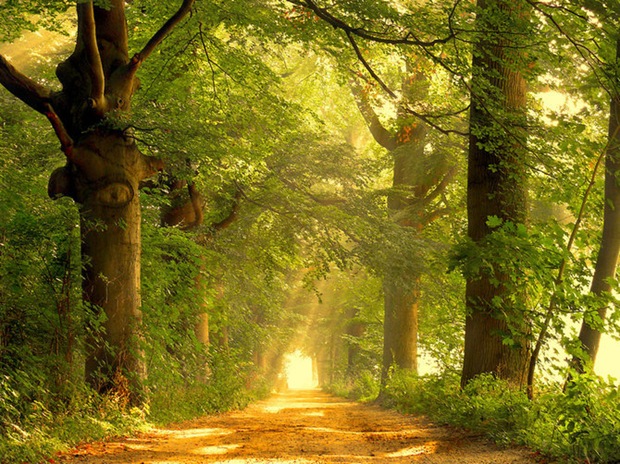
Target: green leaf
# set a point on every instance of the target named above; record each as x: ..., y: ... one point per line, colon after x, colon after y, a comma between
x: 494, y: 222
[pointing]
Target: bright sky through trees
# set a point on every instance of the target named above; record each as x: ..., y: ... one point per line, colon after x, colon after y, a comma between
x: 298, y: 369
x: 607, y: 361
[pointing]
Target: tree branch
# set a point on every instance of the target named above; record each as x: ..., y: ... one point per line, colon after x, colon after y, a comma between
x: 66, y: 142
x: 263, y: 205
x: 441, y: 187
x: 427, y: 120
x: 553, y: 302
x: 382, y: 136
x: 232, y: 216
x: 368, y: 67
x: 87, y: 31
x: 434, y: 215
x: 161, y: 34
x: 37, y: 97
x: 30, y: 92
x: 196, y: 201
x: 407, y: 39
x: 327, y: 201
x: 589, y: 57
x: 204, y: 47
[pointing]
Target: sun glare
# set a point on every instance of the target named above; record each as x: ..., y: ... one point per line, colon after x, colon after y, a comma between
x: 607, y: 359
x: 299, y: 373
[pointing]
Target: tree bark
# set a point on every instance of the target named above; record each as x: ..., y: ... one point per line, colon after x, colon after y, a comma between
x: 400, y: 327
x: 355, y: 329
x: 607, y: 259
x: 111, y: 247
x: 495, y: 329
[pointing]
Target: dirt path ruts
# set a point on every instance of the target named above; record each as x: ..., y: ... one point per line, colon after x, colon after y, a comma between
x: 301, y: 427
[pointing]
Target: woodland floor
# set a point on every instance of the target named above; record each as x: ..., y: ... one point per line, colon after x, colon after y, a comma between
x: 301, y: 427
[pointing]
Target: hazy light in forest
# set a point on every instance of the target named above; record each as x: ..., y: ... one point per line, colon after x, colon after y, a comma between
x: 298, y: 371
x: 558, y: 102
x: 554, y: 100
x: 606, y: 361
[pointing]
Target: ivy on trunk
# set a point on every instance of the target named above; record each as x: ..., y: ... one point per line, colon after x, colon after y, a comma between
x: 495, y: 329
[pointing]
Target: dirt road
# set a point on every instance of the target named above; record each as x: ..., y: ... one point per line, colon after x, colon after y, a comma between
x: 301, y: 427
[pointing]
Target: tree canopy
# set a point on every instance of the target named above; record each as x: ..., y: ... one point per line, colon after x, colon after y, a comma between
x: 421, y: 196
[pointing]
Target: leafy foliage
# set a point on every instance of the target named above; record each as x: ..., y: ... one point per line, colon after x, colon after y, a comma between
x: 251, y: 102
x: 576, y: 426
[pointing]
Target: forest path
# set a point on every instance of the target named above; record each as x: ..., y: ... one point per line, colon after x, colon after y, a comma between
x: 301, y: 427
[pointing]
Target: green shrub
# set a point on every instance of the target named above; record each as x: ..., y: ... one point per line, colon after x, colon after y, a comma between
x: 431, y: 395
x: 365, y: 387
x: 581, y: 424
x: 361, y: 387
x: 35, y: 437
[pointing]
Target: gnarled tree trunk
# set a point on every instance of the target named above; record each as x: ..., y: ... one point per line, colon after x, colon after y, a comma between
x: 111, y: 246
x: 103, y: 171
x: 417, y: 182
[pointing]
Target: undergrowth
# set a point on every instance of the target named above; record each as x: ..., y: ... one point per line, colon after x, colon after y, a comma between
x: 578, y: 425
x: 35, y: 425
x: 35, y: 428
x: 363, y: 387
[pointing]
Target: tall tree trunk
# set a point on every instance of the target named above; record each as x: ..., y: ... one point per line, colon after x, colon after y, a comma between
x: 495, y: 329
x: 607, y: 259
x: 110, y: 225
x: 201, y: 329
x: 400, y: 327
x: 402, y: 290
x: 355, y: 330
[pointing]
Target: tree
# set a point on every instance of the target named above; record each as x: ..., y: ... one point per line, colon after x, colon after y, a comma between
x: 594, y: 133
x: 607, y: 259
x: 103, y: 174
x: 421, y: 169
x: 496, y: 328
x: 420, y: 178
x: 496, y: 337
